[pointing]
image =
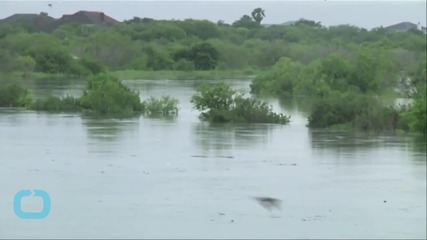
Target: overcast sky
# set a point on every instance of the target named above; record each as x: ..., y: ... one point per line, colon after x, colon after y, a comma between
x: 367, y: 14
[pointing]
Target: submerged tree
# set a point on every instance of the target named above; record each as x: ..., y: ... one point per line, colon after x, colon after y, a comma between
x: 220, y: 103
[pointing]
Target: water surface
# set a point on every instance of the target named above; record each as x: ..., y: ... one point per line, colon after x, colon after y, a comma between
x: 182, y: 178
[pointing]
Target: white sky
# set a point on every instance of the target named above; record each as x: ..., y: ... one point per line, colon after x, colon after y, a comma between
x: 367, y: 14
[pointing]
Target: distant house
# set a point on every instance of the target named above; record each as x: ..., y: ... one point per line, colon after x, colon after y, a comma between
x: 404, y: 26
x: 87, y: 17
x: 42, y: 22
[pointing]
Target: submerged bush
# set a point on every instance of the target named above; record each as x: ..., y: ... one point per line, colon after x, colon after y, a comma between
x: 14, y: 96
x: 281, y: 79
x: 56, y: 104
x: 358, y: 111
x: 415, y: 117
x: 163, y: 106
x: 105, y: 94
x: 220, y: 103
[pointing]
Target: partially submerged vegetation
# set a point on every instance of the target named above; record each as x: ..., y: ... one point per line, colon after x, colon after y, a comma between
x: 160, y: 106
x: 353, y: 110
x: 14, y: 96
x: 104, y: 95
x: 220, y: 103
x: 56, y: 104
x: 343, y: 69
x: 347, y: 92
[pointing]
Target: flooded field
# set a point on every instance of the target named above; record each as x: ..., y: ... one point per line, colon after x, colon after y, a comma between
x: 182, y: 178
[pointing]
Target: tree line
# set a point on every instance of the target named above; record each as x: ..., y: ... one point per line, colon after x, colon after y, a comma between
x: 342, y: 69
x: 148, y: 44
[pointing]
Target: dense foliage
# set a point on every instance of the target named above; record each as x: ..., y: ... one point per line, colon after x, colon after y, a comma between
x: 353, y: 110
x: 14, y: 96
x: 148, y: 44
x: 56, y: 104
x: 416, y: 115
x: 160, y: 106
x: 104, y: 95
x: 220, y: 103
x: 343, y: 69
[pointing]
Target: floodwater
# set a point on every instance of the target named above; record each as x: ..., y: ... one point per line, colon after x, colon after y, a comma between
x: 182, y: 178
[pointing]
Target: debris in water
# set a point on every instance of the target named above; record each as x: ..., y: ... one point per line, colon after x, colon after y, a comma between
x: 286, y: 164
x: 199, y: 156
x: 269, y: 203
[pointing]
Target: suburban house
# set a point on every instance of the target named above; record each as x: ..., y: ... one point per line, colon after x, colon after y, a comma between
x: 45, y: 23
x: 405, y: 26
x: 41, y: 22
x: 86, y: 17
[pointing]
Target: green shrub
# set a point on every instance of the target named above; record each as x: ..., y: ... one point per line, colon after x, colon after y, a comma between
x: 55, y: 104
x: 220, y: 103
x: 163, y: 106
x: 92, y: 67
x: 216, y: 97
x: 184, y: 65
x: 105, y: 94
x: 415, y: 115
x: 361, y: 111
x: 14, y: 96
x: 139, y: 63
x: 280, y: 80
x: 255, y: 110
x: 51, y: 60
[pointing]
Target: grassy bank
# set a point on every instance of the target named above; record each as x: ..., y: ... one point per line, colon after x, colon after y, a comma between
x: 184, y: 75
x: 32, y: 75
x: 149, y: 75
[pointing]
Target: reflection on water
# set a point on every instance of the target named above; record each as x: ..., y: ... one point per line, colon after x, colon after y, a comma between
x: 359, y: 140
x: 110, y: 129
x: 347, y: 140
x: 219, y: 138
x: 299, y: 105
x: 418, y: 146
x: 353, y: 145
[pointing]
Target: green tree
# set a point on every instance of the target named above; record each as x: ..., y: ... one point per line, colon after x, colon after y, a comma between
x: 307, y: 22
x: 110, y: 48
x: 245, y: 21
x: 204, y: 56
x: 258, y: 15
x: 105, y: 94
x: 157, y: 57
